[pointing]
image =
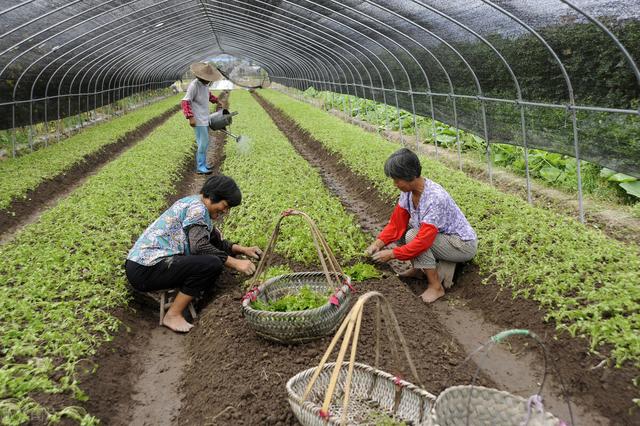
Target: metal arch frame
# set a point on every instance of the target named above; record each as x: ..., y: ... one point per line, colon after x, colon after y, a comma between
x: 15, y: 6
x: 141, y: 71
x: 339, y: 34
x: 302, y: 58
x: 54, y: 35
x: 569, y: 88
x: 309, y: 68
x: 513, y: 77
x: 79, y: 46
x: 299, y: 60
x: 312, y: 47
x: 328, y: 32
x: 404, y: 70
x: 88, y: 41
x: 51, y: 12
x: 612, y: 36
x: 112, y: 42
x: 364, y: 36
x: 471, y: 70
x: 572, y: 107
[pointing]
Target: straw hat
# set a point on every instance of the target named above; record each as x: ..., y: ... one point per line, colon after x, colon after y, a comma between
x: 205, y: 71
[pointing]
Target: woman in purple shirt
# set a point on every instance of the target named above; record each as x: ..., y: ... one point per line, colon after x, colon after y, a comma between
x: 432, y: 231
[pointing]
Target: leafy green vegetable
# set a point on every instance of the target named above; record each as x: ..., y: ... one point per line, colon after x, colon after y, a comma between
x: 305, y: 299
x: 362, y: 272
x: 273, y: 177
x: 383, y: 419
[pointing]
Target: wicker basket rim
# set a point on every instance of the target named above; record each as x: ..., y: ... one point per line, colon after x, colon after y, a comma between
x: 480, y: 389
x: 246, y: 304
x: 410, y: 386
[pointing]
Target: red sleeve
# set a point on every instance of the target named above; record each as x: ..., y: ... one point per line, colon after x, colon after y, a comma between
x: 426, y: 235
x: 396, y: 227
x: 212, y: 98
x: 186, y: 109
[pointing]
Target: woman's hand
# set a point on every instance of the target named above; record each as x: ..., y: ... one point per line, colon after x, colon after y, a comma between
x: 383, y: 256
x: 374, y: 247
x: 252, y: 252
x: 243, y: 265
x: 192, y: 121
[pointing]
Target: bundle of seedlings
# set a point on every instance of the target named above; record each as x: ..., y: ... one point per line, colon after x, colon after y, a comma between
x: 301, y: 306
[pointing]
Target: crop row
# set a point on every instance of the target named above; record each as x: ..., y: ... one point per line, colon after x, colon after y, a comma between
x: 586, y: 282
x: 550, y: 168
x: 273, y: 177
x: 24, y: 173
x: 63, y: 274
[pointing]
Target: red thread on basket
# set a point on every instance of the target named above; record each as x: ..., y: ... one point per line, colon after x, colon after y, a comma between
x: 251, y: 294
x: 334, y: 300
x: 397, y: 381
x: 324, y: 414
x: 348, y: 284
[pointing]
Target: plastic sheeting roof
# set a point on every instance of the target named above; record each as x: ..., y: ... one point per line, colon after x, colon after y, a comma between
x: 524, y: 72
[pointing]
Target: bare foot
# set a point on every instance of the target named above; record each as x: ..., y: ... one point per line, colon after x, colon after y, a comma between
x: 411, y: 273
x: 432, y: 294
x: 176, y: 323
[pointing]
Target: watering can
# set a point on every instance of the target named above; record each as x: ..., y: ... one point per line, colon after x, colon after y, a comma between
x: 220, y: 119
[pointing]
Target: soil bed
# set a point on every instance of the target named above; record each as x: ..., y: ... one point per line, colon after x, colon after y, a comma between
x: 235, y: 377
x: 14, y: 215
x: 609, y: 390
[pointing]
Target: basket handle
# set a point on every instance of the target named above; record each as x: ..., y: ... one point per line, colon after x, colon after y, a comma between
x: 500, y: 337
x: 351, y: 327
x: 330, y: 267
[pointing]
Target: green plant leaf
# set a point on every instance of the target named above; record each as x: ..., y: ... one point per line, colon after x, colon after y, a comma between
x: 632, y: 188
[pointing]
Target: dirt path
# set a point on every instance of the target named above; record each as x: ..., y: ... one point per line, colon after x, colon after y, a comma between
x: 25, y: 211
x: 139, y: 378
x: 471, y: 313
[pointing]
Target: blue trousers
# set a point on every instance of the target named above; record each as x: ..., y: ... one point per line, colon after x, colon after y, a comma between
x: 202, y: 139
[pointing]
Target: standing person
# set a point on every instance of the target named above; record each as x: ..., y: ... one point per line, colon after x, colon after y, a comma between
x: 195, y: 106
x: 183, y: 249
x: 427, y: 222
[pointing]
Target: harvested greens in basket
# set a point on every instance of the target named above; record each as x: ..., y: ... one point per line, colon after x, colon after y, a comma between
x: 305, y: 299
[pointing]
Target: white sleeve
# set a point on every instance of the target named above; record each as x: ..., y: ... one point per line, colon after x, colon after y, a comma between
x: 191, y: 92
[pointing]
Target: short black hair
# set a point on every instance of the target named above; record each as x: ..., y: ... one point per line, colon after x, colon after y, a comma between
x: 221, y: 187
x: 403, y: 164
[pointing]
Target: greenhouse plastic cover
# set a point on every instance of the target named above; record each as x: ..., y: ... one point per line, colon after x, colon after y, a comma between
x: 545, y: 74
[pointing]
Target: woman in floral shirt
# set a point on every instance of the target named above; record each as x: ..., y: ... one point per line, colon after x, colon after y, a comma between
x: 182, y: 249
x: 427, y: 222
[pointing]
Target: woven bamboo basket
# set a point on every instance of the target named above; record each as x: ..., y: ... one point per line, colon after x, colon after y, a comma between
x: 297, y: 326
x: 477, y: 405
x: 306, y: 325
x: 350, y: 393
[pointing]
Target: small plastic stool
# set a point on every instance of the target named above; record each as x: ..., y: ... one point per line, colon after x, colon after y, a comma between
x: 165, y: 299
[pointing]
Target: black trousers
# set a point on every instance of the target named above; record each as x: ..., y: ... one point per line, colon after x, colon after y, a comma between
x: 193, y: 275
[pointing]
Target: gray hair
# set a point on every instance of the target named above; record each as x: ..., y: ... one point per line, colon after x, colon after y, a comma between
x: 403, y: 164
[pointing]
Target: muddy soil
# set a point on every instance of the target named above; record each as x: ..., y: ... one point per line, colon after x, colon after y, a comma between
x: 23, y: 211
x: 235, y: 377
x: 608, y: 390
